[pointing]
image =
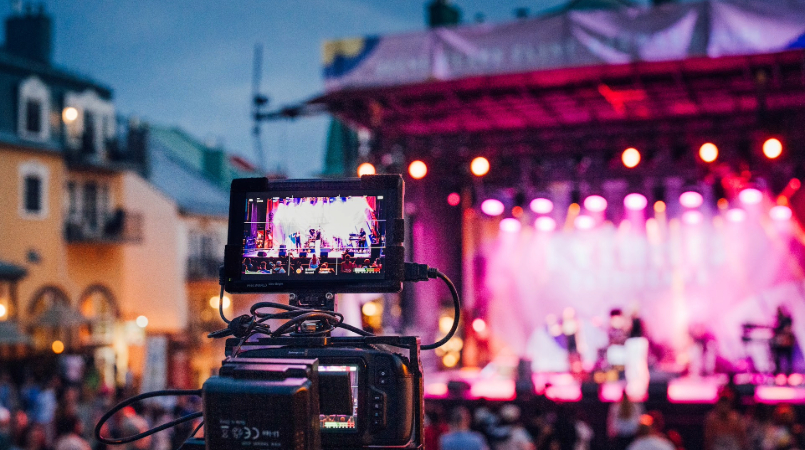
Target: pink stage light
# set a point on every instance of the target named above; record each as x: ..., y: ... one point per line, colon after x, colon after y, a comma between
x: 795, y: 379
x: 612, y: 391
x: 510, y: 225
x: 541, y: 205
x: 545, y: 224
x: 492, y: 207
x: 777, y: 394
x: 583, y: 222
x: 453, y: 199
x: 691, y: 199
x: 750, y: 196
x: 736, y: 215
x: 564, y: 393
x: 493, y: 389
x: 436, y: 390
x: 780, y: 212
x: 692, y: 217
x: 684, y: 390
x: 479, y: 325
x: 635, y: 202
x: 595, y: 203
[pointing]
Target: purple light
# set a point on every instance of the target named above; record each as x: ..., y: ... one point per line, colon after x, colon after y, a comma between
x: 510, y: 225
x: 583, y: 222
x: 595, y: 203
x: 750, y: 196
x: 692, y: 217
x: 541, y: 205
x: 691, y: 199
x: 492, y: 207
x: 545, y: 224
x: 635, y: 202
x: 736, y: 215
x: 780, y: 212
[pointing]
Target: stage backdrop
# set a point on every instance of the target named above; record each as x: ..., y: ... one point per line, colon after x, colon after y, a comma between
x: 709, y: 277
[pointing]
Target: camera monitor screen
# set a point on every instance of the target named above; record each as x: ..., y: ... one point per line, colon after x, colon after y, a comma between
x: 342, y: 422
x: 286, y: 236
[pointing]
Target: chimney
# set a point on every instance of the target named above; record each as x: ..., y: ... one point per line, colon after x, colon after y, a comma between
x: 30, y: 34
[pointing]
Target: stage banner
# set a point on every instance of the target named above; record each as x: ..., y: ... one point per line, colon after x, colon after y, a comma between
x: 573, y: 39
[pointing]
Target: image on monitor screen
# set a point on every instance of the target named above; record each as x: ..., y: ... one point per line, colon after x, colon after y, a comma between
x: 341, y: 422
x: 288, y: 236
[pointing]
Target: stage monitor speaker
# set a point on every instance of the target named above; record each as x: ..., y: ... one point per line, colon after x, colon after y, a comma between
x: 325, y: 255
x: 375, y: 252
x: 283, y: 250
x: 303, y: 254
x: 261, y: 253
x: 658, y: 391
x: 457, y: 388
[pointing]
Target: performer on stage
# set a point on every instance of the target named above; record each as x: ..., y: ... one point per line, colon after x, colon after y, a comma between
x: 782, y: 344
x: 362, y: 238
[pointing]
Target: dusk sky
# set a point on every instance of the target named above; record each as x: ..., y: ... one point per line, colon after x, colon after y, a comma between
x: 189, y: 64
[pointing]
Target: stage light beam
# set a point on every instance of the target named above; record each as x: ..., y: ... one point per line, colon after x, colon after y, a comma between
x: 691, y: 199
x: 635, y: 202
x: 479, y: 166
x: 708, y: 152
x: 583, y: 222
x: 545, y: 224
x: 510, y: 225
x: 541, y: 205
x: 772, y: 148
x: 492, y: 207
x: 750, y: 196
x: 692, y: 217
x: 595, y: 203
x: 736, y: 215
x: 453, y: 199
x: 417, y: 169
x: 780, y: 213
x: 630, y: 157
x: 366, y: 169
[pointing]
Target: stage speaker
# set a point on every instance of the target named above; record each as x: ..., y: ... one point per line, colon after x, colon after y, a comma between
x: 283, y: 250
x: 457, y: 388
x: 303, y: 254
x: 325, y: 255
x: 658, y: 391
x: 524, y: 383
x: 375, y: 253
x: 261, y: 253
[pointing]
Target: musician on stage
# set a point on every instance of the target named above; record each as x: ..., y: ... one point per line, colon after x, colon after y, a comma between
x: 782, y: 343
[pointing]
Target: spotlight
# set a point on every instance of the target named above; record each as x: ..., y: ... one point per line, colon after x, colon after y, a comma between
x: 479, y: 325
x: 142, y: 321
x: 659, y: 206
x: 692, y: 217
x: 510, y: 225
x: 479, y: 166
x: 630, y: 157
x: 57, y: 347
x: 772, y: 148
x: 541, y: 205
x: 635, y: 202
x: 453, y: 199
x: 366, y: 169
x: 780, y: 212
x: 545, y: 224
x: 583, y: 222
x: 708, y: 152
x: 492, y: 207
x: 595, y: 203
x: 736, y: 215
x: 691, y: 199
x: 750, y: 196
x: 69, y: 114
x: 417, y: 170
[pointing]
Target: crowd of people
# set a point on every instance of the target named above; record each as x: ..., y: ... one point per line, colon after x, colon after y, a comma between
x: 61, y: 414
x: 628, y: 427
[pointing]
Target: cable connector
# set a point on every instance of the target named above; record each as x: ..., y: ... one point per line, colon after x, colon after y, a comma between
x: 419, y: 272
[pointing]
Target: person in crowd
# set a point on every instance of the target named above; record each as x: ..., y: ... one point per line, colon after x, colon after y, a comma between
x: 518, y: 438
x: 28, y: 395
x: 6, y: 441
x: 264, y: 268
x: 435, y: 426
x: 314, y: 262
x: 45, y: 409
x: 36, y: 437
x: 366, y: 263
x: 622, y: 421
x: 133, y: 423
x: 782, y: 343
x: 723, y: 428
x: 784, y: 433
x: 325, y: 268
x: 68, y: 434
x: 460, y: 437
x: 348, y: 265
x: 19, y: 424
x: 8, y: 392
x: 649, y: 439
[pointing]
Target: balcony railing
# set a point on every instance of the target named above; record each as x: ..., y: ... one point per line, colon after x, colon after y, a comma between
x: 203, y: 268
x: 119, y: 227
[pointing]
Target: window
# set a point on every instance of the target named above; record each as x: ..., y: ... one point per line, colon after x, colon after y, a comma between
x: 34, y: 108
x: 33, y: 190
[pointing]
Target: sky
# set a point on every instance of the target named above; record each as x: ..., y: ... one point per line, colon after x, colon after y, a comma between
x: 189, y: 63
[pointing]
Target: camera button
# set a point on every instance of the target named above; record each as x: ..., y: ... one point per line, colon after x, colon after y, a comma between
x: 377, y: 406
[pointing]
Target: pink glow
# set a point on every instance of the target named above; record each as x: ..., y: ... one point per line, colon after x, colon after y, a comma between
x: 510, y: 225
x: 436, y: 390
x: 780, y: 379
x: 545, y: 224
x: 584, y: 222
x: 776, y: 394
x: 691, y: 199
x: 541, y: 205
x: 780, y: 212
x: 635, y: 202
x: 750, y: 196
x: 692, y: 217
x: 613, y: 392
x: 702, y: 390
x: 595, y: 203
x: 564, y: 393
x: 492, y: 207
x: 736, y: 215
x: 795, y: 379
x: 453, y: 199
x: 493, y: 389
x: 479, y: 325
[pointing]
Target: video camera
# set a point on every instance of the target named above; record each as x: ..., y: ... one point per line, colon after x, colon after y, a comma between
x: 296, y: 386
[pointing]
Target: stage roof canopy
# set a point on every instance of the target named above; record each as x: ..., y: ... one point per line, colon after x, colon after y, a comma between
x: 680, y: 61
